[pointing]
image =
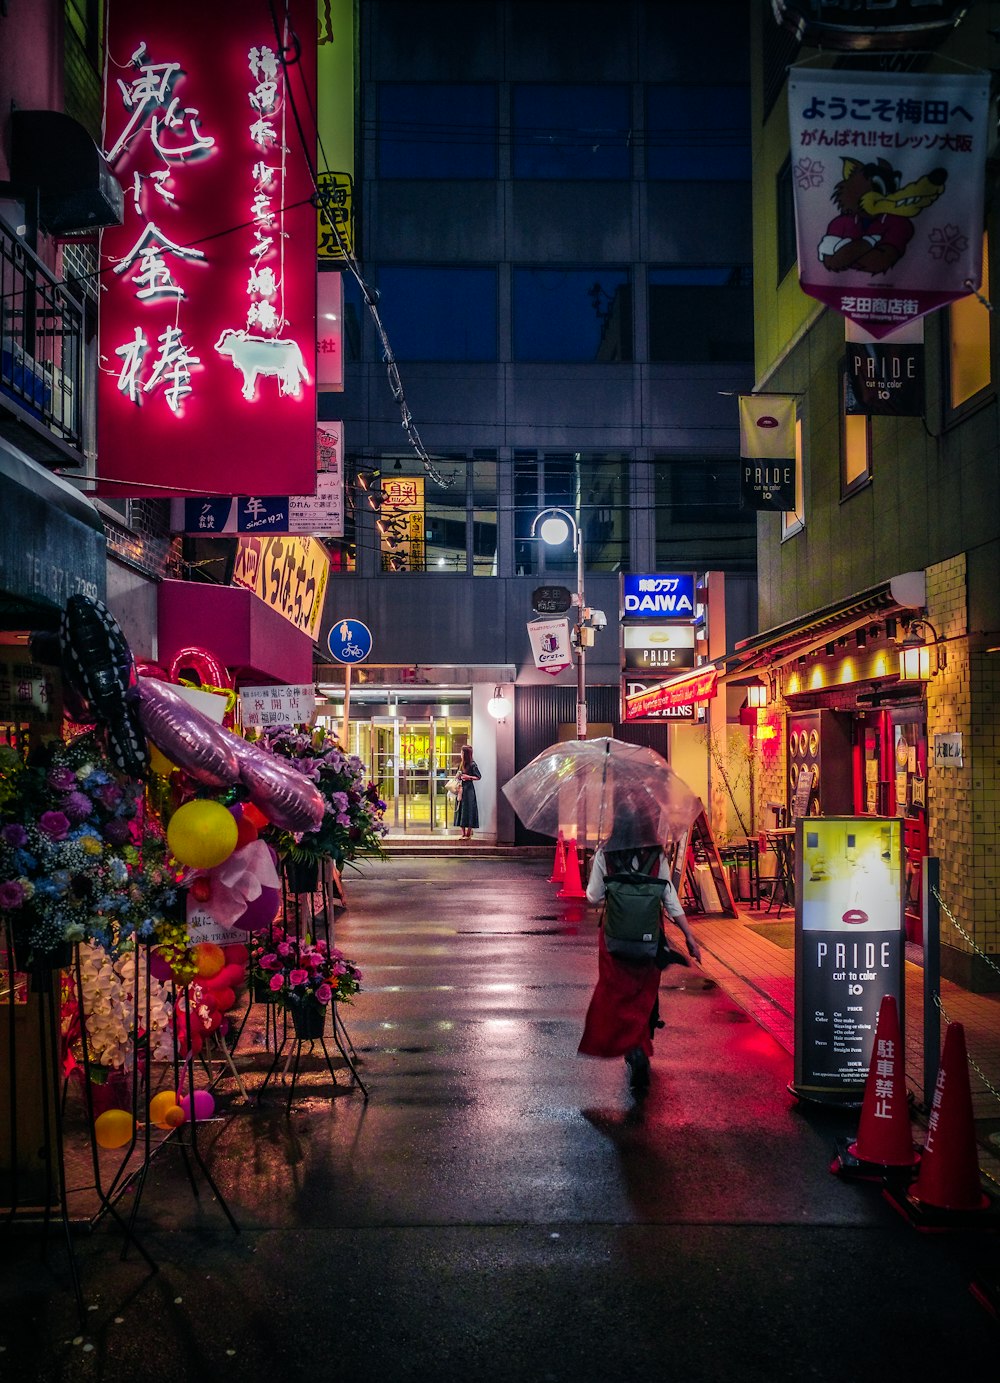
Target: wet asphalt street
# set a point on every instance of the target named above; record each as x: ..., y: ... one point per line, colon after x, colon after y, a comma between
x: 501, y: 1208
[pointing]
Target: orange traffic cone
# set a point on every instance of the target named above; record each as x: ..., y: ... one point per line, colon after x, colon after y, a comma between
x: 884, y: 1135
x: 949, y: 1169
x: 559, y: 864
x: 572, y: 888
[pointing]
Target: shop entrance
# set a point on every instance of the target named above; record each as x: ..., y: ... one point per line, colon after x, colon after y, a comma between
x: 410, y: 759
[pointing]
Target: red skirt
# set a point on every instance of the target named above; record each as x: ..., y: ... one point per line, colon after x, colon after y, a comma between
x: 621, y: 1006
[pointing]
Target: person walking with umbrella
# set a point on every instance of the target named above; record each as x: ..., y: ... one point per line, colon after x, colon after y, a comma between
x: 624, y: 1009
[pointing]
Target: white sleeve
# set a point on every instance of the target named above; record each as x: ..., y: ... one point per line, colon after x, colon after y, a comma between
x: 595, y: 884
x: 671, y: 902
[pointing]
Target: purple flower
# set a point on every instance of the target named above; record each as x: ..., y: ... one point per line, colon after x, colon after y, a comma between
x: 116, y: 831
x: 77, y: 806
x: 62, y: 779
x: 15, y: 835
x: 268, y: 962
x: 324, y: 994
x: 54, y: 824
x: 11, y: 895
x: 109, y: 795
x: 283, y: 948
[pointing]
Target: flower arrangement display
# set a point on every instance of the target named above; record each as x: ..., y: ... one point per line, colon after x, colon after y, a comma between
x: 80, y: 859
x: 114, y: 1004
x: 352, y: 824
x: 302, y: 973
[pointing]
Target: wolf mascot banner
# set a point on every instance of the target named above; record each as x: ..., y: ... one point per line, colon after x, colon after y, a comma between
x: 888, y: 178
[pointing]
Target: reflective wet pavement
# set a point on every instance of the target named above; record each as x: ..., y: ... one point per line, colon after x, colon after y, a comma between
x: 500, y: 1207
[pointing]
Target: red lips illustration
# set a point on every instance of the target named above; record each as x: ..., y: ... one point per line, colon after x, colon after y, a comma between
x: 855, y: 916
x: 765, y: 420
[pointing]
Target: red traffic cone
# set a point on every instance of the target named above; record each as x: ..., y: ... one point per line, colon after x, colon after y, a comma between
x: 949, y: 1169
x: 884, y: 1134
x: 559, y: 864
x: 572, y: 888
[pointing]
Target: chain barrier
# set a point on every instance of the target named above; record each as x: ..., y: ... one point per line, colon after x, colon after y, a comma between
x: 937, y: 997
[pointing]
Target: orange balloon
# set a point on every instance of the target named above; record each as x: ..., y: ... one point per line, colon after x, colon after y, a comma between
x: 113, y: 1128
x: 209, y: 959
x: 173, y: 1117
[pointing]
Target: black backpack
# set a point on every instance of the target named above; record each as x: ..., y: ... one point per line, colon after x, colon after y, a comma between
x: 634, y: 907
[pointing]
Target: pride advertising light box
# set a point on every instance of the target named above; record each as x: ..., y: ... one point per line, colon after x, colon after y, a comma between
x: 849, y: 948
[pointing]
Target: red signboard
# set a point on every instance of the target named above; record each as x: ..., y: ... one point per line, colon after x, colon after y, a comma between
x: 208, y: 314
x: 683, y: 691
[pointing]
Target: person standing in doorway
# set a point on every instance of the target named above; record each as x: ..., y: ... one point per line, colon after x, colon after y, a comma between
x: 467, y: 807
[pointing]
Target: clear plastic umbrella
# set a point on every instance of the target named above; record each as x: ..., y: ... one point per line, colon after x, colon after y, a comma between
x: 603, y: 792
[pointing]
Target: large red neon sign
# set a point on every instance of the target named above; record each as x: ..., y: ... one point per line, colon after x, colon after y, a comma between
x: 208, y: 309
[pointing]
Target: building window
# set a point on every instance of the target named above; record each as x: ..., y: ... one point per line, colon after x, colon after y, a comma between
x: 572, y: 314
x: 424, y: 525
x: 701, y: 312
x: 698, y: 133
x: 699, y: 522
x: 593, y: 488
x: 855, y: 442
x: 969, y: 363
x: 440, y: 313
x: 794, y: 520
x: 571, y: 131
x: 426, y: 130
x: 785, y: 217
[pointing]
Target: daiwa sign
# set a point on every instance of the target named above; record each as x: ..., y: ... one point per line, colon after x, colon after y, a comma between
x: 660, y: 596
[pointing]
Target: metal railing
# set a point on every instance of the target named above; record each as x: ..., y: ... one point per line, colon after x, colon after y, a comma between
x: 41, y: 347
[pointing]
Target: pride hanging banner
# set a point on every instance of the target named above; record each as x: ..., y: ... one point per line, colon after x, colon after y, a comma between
x: 888, y: 172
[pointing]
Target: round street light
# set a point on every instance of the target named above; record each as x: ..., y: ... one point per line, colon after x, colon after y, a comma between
x: 554, y: 526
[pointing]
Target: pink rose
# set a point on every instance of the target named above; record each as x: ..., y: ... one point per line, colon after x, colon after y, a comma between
x: 324, y: 994
x: 284, y: 949
x: 277, y: 982
x: 298, y: 977
x: 268, y: 962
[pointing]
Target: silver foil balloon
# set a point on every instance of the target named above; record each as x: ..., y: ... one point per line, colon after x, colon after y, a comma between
x: 285, y: 796
x: 187, y: 738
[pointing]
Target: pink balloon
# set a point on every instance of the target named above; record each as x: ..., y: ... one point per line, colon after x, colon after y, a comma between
x: 286, y: 797
x: 187, y: 738
x: 261, y: 912
x: 204, y: 1105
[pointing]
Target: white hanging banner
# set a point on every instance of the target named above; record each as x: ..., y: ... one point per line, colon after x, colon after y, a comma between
x: 550, y: 645
x: 888, y: 172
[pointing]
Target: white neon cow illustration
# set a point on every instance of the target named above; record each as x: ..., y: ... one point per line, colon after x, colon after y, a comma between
x: 261, y: 355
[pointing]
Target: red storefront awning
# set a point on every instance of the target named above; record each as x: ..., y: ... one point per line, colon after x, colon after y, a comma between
x: 243, y: 633
x: 700, y: 685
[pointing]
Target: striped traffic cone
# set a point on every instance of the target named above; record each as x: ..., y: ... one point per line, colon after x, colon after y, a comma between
x: 948, y: 1191
x: 559, y: 864
x: 572, y: 887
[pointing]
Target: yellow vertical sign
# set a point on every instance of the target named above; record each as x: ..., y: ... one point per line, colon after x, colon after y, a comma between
x: 401, y: 523
x: 335, y: 124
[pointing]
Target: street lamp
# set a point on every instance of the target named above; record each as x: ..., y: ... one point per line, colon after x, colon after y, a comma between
x: 554, y: 526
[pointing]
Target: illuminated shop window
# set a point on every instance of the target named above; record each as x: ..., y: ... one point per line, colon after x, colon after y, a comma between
x: 855, y: 443
x: 794, y: 520
x: 969, y: 363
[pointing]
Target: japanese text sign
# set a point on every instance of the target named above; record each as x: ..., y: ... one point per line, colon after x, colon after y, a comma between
x: 289, y: 574
x: 277, y: 705
x: 887, y: 173
x: 208, y: 318
x: 700, y: 685
x: 660, y: 596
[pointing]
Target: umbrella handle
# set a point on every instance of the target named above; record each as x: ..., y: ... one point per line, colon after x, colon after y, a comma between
x: 604, y: 783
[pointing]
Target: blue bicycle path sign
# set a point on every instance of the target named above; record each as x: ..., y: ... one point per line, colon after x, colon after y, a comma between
x: 349, y: 641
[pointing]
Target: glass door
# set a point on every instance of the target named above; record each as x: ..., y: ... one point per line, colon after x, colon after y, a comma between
x: 410, y: 761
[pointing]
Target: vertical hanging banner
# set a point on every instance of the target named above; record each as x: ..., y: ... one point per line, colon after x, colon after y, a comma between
x: 888, y: 173
x: 335, y: 113
x: 208, y: 318
x: 767, y: 446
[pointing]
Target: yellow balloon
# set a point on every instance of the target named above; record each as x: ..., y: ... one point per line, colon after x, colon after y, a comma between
x: 202, y: 833
x: 159, y: 762
x: 159, y: 1105
x: 113, y: 1128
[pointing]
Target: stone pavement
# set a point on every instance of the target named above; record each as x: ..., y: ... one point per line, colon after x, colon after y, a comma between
x: 759, y: 974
